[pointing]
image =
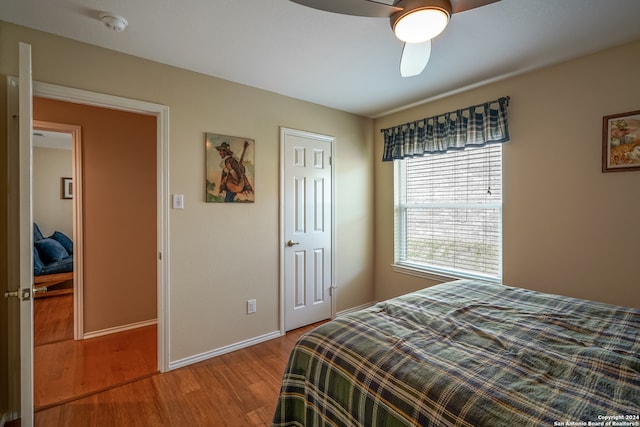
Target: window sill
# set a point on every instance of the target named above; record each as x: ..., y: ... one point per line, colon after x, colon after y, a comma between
x: 435, y: 275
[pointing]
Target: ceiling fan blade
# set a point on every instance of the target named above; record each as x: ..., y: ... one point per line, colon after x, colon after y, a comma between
x: 414, y: 58
x: 352, y: 7
x: 462, y: 5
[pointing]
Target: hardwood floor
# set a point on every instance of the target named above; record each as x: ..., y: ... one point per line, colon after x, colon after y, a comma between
x: 235, y: 389
x: 52, y: 319
x: 65, y: 369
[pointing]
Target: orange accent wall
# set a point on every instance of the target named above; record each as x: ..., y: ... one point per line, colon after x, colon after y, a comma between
x: 119, y: 210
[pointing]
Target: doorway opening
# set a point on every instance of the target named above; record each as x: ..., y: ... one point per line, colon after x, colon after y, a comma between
x: 119, y: 354
x: 57, y: 209
x: 159, y: 343
x: 161, y: 114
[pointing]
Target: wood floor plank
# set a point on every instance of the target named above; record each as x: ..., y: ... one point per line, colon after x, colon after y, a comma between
x: 52, y: 319
x: 235, y: 389
x: 65, y: 369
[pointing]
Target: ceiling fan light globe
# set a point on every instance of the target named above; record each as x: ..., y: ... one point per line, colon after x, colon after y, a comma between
x: 420, y: 25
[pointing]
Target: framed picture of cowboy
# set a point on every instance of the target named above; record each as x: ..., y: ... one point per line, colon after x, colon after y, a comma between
x: 230, y: 169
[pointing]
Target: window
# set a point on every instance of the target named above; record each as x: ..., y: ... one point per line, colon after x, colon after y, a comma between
x: 448, y: 213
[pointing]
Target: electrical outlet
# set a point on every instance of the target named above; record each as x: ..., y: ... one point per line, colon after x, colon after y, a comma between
x: 251, y: 306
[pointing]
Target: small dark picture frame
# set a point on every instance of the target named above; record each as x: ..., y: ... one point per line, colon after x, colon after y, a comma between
x: 621, y: 142
x: 67, y: 188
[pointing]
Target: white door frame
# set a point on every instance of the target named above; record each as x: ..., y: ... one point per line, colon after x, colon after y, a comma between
x: 161, y: 112
x: 283, y: 132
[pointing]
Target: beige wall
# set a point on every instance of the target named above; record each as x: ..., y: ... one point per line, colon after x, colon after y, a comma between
x: 568, y: 228
x: 223, y: 254
x: 50, y: 211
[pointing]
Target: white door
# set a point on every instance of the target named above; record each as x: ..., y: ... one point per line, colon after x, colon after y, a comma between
x: 21, y: 231
x: 307, y: 227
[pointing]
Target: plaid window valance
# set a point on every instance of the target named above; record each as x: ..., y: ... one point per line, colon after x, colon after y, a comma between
x: 473, y: 126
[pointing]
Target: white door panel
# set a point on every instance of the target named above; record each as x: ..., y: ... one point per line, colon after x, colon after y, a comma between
x: 307, y: 236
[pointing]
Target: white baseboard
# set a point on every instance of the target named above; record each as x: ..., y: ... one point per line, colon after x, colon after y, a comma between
x: 354, y: 309
x: 223, y: 350
x: 247, y: 343
x: 123, y: 328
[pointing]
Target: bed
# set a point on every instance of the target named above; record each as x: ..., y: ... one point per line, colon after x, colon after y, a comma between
x: 468, y: 353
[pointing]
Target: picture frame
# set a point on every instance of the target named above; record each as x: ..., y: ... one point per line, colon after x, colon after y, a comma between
x: 67, y: 188
x: 230, y: 169
x: 621, y: 142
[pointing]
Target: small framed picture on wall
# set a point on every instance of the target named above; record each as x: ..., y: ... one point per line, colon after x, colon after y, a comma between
x: 67, y: 188
x: 621, y: 142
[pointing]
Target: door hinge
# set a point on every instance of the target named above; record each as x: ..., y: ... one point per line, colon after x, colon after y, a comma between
x: 160, y: 256
x: 330, y: 160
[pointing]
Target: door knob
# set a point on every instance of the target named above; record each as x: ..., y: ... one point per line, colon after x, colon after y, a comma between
x: 41, y: 289
x: 292, y: 243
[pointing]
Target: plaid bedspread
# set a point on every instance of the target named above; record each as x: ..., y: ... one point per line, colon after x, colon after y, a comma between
x: 468, y: 353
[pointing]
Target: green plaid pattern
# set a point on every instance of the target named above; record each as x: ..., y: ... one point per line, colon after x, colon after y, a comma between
x: 466, y: 353
x: 474, y: 126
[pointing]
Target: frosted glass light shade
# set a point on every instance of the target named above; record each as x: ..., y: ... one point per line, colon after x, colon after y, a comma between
x: 420, y: 25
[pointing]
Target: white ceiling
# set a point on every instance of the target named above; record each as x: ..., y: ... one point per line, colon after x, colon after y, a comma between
x: 52, y: 139
x: 345, y: 62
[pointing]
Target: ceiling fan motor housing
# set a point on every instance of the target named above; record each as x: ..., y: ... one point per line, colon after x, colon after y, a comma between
x: 411, y: 6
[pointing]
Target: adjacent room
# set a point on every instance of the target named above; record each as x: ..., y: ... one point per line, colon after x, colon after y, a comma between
x: 289, y: 212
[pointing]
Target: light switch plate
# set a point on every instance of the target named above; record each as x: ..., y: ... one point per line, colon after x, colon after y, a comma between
x: 251, y: 306
x: 178, y: 201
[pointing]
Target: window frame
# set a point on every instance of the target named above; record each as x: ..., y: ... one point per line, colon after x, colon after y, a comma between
x: 400, y: 224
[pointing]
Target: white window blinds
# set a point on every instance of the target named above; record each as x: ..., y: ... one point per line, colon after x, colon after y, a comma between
x: 449, y: 212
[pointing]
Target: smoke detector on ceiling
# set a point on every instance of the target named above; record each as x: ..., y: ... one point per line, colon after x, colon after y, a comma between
x: 114, y: 22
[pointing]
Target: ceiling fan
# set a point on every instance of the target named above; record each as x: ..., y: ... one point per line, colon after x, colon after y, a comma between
x: 415, y: 22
